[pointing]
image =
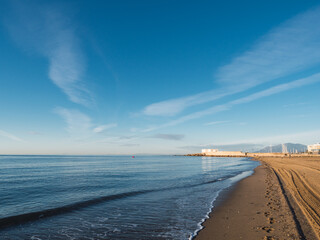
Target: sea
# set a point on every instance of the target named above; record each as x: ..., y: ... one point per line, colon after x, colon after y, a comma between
x: 111, y: 197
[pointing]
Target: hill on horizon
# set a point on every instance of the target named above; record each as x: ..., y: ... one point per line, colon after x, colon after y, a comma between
x: 286, y: 147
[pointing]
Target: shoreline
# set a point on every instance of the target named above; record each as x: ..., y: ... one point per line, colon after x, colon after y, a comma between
x: 263, y: 206
x: 218, y: 200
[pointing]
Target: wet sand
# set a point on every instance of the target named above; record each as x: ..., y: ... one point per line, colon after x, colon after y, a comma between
x: 279, y: 201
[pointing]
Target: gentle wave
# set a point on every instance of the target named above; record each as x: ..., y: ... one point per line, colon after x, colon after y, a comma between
x: 33, y: 216
x: 233, y: 179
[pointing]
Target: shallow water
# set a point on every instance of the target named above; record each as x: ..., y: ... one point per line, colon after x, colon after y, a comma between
x: 111, y: 197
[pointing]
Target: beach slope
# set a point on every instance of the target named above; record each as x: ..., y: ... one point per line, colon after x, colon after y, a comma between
x: 279, y: 201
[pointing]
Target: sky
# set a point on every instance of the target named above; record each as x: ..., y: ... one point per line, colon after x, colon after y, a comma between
x: 157, y: 77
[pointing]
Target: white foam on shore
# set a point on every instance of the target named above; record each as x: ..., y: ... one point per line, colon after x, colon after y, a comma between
x: 35, y: 238
x: 232, y: 181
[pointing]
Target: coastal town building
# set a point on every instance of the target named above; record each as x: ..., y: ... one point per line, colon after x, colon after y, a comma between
x: 209, y: 150
x: 314, y: 148
x: 216, y: 152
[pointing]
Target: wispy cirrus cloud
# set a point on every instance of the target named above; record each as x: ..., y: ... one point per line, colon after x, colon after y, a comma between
x: 287, y: 49
x: 10, y: 136
x: 103, y: 128
x: 315, y: 78
x: 216, y: 122
x: 130, y: 145
x: 77, y: 122
x: 80, y: 125
x: 174, y: 106
x: 119, y: 140
x: 47, y: 31
x: 175, y: 137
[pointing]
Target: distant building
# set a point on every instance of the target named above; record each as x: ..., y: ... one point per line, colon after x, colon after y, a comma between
x: 217, y: 153
x: 314, y: 148
x: 209, y: 150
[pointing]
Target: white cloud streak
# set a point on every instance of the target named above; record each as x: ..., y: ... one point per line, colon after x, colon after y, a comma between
x: 46, y: 30
x: 174, y: 106
x: 103, y: 128
x: 227, y: 106
x: 10, y: 136
x: 80, y: 125
x: 175, y: 137
x: 287, y: 49
x: 77, y: 122
x: 216, y: 123
x: 119, y: 140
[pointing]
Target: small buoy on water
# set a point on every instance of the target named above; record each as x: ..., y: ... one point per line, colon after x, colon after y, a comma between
x: 132, y: 156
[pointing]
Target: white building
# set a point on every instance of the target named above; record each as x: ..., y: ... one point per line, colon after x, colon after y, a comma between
x: 209, y: 150
x: 314, y: 148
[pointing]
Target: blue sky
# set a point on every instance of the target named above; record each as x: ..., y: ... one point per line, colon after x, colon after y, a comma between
x: 157, y: 77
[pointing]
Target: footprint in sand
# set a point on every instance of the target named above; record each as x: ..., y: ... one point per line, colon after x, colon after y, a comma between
x: 267, y: 229
x: 268, y: 238
x: 271, y: 220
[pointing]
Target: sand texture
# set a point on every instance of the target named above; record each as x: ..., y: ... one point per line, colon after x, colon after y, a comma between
x: 279, y: 201
x: 300, y: 178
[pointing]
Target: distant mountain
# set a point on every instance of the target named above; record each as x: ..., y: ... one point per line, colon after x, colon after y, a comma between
x: 286, y: 147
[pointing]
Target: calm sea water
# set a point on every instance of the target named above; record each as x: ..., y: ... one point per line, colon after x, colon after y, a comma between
x: 111, y: 197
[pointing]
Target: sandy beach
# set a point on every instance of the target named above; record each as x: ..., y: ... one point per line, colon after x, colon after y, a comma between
x: 281, y: 200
